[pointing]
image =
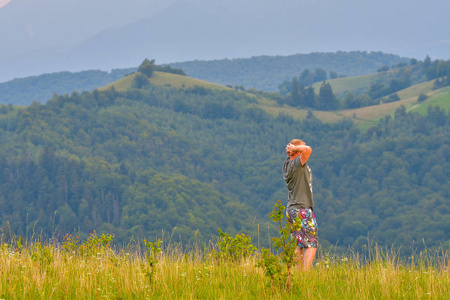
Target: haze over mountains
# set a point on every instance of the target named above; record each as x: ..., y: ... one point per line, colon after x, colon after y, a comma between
x: 47, y: 36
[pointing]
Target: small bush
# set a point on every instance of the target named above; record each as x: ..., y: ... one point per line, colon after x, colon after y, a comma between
x: 422, y: 97
x: 233, y: 249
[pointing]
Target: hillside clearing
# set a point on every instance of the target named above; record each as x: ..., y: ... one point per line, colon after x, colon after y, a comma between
x: 165, y: 79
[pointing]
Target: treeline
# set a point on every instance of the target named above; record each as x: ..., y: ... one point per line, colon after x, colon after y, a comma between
x: 298, y: 92
x: 184, y: 163
x: 23, y: 91
x: 265, y: 73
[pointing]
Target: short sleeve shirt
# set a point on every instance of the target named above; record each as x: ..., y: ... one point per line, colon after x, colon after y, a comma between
x: 298, y: 180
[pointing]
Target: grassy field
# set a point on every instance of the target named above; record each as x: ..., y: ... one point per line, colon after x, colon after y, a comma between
x: 439, y: 98
x: 415, y: 90
x: 349, y: 84
x: 165, y: 79
x: 94, y: 270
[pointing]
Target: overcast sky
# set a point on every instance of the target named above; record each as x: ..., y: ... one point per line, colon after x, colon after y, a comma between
x: 401, y: 26
x: 409, y: 28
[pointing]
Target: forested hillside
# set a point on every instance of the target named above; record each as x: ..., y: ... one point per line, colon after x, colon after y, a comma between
x: 189, y: 161
x: 262, y: 73
x: 23, y: 91
x: 267, y: 72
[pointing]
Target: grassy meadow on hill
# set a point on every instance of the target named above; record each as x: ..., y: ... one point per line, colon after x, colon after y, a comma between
x: 164, y: 79
x: 364, y: 116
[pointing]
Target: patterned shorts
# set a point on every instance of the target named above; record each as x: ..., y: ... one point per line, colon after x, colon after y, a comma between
x: 304, y: 227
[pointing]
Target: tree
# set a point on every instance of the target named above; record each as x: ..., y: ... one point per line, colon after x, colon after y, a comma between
x: 327, y: 100
x: 295, y: 92
x: 422, y: 97
x: 383, y: 69
x: 147, y: 67
x: 376, y: 90
x: 333, y: 75
x: 306, y: 77
x: 140, y: 81
x: 309, y: 98
x: 320, y: 75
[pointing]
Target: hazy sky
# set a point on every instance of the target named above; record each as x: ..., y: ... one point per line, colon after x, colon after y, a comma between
x: 3, y: 3
x: 31, y: 30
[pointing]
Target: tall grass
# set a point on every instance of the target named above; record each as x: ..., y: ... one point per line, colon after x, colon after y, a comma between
x: 95, y: 270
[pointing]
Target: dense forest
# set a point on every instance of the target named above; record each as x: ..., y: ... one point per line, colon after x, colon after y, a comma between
x: 184, y: 162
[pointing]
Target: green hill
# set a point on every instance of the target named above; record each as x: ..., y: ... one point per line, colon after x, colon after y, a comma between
x: 262, y: 72
x: 439, y: 98
x: 23, y: 91
x: 183, y: 162
x: 355, y: 84
x: 364, y: 117
x: 164, y: 79
x: 267, y: 72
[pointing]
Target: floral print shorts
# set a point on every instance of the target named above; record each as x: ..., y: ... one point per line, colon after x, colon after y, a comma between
x: 304, y: 227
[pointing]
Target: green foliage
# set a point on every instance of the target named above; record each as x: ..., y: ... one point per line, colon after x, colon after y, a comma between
x: 153, y: 249
x: 327, y: 100
x: 94, y: 245
x: 140, y: 81
x: 233, y: 249
x: 147, y: 67
x: 273, y: 265
x: 42, y: 254
x: 23, y: 91
x: 266, y: 72
x: 148, y: 161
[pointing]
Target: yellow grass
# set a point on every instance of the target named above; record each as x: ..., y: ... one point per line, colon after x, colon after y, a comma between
x: 47, y: 272
x: 416, y: 90
x: 164, y: 79
x: 120, y: 85
x: 179, y: 81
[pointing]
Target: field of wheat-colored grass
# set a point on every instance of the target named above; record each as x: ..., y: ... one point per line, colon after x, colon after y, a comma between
x: 95, y: 270
x: 164, y: 79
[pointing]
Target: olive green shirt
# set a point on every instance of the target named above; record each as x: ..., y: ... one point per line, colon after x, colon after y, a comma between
x: 298, y: 180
